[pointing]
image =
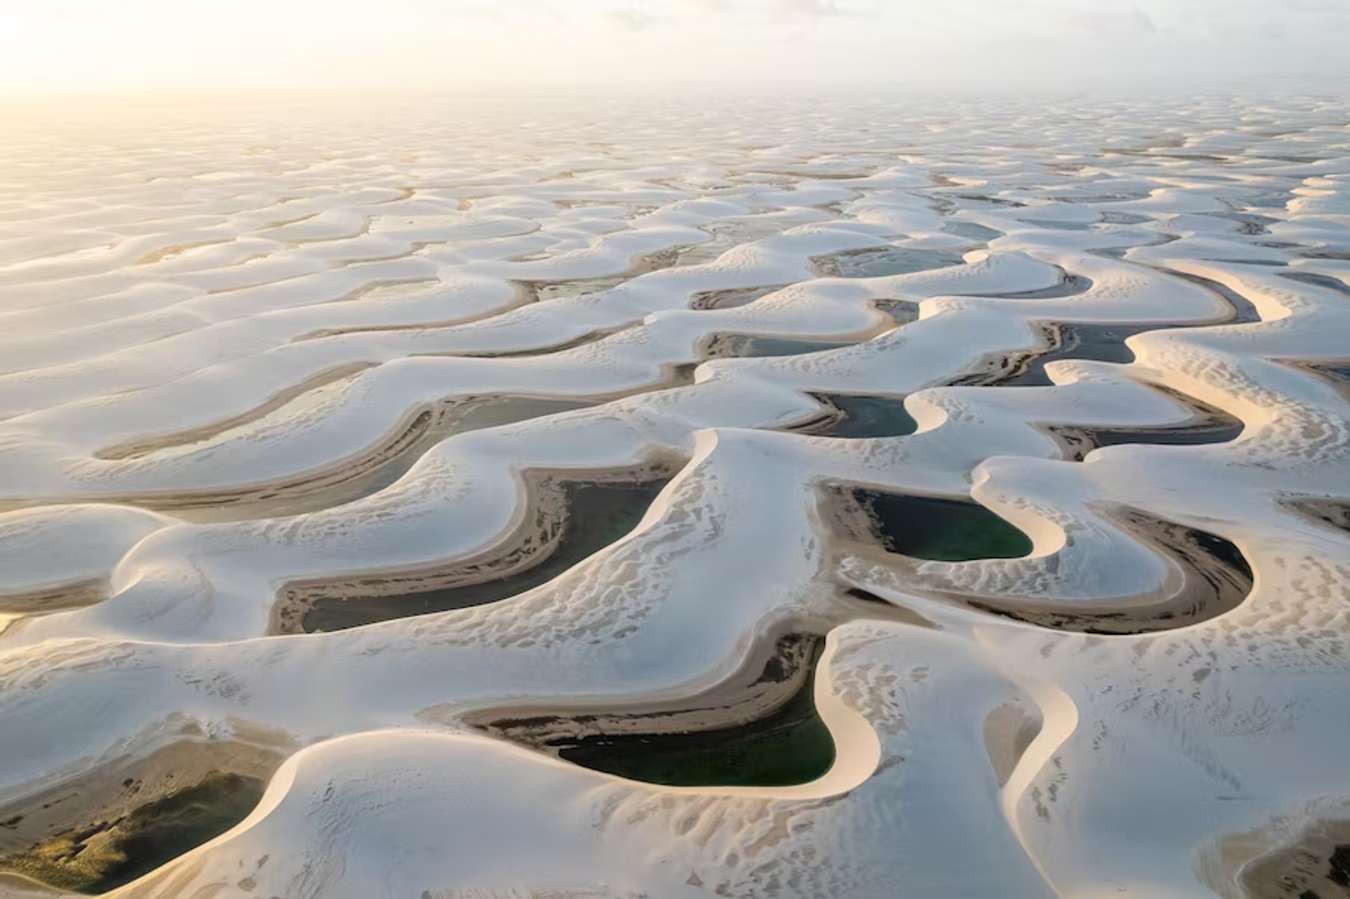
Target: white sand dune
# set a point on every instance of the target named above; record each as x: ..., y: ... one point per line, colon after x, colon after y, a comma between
x: 282, y: 356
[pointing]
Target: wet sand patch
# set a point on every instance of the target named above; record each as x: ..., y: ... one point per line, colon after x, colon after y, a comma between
x: 1122, y: 218
x: 925, y: 527
x: 859, y: 416
x: 1275, y: 199
x: 559, y: 347
x: 372, y: 471
x: 107, y: 854
x: 972, y: 231
x: 17, y: 606
x: 1248, y: 223
x: 1327, y: 511
x: 992, y: 201
x: 1310, y: 871
x: 569, y: 520
x: 331, y: 486
x: 328, y: 380
x: 1069, y: 285
x: 1008, y: 731
x: 52, y: 599
x: 1336, y: 372
x: 730, y: 298
x: 878, y: 262
x: 1055, y: 225
x: 1118, y: 253
x: 765, y: 734
x: 1291, y: 859
x: 1208, y: 425
x: 726, y: 346
x: 545, y: 290
x: 726, y: 236
x: 1214, y: 577
x: 1078, y: 442
x: 1318, y: 280
x: 1097, y: 342
x: 128, y: 817
x: 901, y: 312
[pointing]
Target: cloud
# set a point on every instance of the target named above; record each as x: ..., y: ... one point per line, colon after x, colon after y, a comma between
x: 822, y: 8
x: 1319, y: 7
x: 777, y: 8
x: 1125, y: 20
x: 632, y: 19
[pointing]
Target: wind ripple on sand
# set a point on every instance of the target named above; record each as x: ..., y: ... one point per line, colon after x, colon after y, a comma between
x: 243, y: 364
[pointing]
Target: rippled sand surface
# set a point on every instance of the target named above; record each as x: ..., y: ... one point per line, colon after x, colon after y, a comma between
x: 401, y: 457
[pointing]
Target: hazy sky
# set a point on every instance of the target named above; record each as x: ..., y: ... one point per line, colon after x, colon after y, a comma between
x: 91, y: 45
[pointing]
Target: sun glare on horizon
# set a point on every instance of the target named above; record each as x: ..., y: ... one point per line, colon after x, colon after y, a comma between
x: 87, y: 46
x: 674, y: 449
